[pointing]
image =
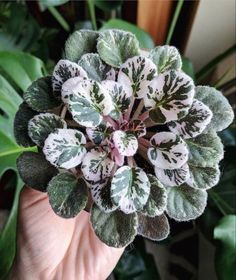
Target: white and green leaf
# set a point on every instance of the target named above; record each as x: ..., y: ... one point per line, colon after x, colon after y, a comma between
x: 115, y: 229
x: 223, y: 114
x: 96, y: 165
x: 111, y: 74
x: 137, y: 73
x: 193, y: 124
x: 79, y: 43
x: 40, y: 126
x: 157, y: 200
x: 68, y: 87
x: 121, y: 96
x: 126, y: 143
x: 154, y: 228
x: 167, y: 151
x: 99, y: 133
x: 67, y: 195
x: 116, y: 46
x: 166, y: 58
x: 63, y: 71
x: 95, y: 68
x: 89, y: 102
x: 65, y: 148
x: 203, y: 177
x: 101, y: 195
x: 185, y: 203
x: 205, y: 150
x: 130, y: 188
x: 173, y: 177
x: 169, y: 96
x: 39, y: 95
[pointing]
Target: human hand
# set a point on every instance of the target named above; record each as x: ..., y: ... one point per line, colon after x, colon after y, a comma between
x: 50, y: 247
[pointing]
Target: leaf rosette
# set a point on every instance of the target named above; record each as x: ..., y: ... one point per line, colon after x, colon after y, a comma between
x: 129, y: 131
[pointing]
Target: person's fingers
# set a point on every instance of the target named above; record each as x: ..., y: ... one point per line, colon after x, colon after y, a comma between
x: 43, y: 237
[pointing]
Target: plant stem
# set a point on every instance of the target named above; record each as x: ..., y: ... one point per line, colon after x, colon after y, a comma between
x: 130, y: 161
x: 174, y: 21
x: 110, y: 121
x: 144, y: 116
x: 138, y: 110
x: 63, y: 112
x: 59, y: 18
x: 127, y: 114
x: 144, y: 142
x: 92, y: 14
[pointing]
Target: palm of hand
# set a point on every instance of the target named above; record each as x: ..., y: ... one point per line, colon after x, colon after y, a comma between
x: 50, y: 247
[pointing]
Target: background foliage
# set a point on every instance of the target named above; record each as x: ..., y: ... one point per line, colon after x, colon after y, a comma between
x: 32, y: 36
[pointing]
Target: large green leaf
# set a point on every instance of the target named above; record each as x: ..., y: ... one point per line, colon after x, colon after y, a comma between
x: 143, y: 37
x: 225, y: 258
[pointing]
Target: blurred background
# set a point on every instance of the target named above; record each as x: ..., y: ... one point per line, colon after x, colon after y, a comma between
x: 32, y: 37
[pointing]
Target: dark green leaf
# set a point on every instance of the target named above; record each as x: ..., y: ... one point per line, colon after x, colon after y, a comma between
x: 187, y: 67
x: 107, y: 5
x: 67, y: 195
x: 35, y: 170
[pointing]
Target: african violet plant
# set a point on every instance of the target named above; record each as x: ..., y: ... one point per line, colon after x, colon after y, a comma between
x: 123, y: 133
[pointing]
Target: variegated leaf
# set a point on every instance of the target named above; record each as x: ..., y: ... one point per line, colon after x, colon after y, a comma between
x: 101, y: 194
x: 193, y: 124
x: 154, y: 228
x: 79, y: 43
x: 99, y: 133
x: 89, y: 102
x: 166, y: 58
x: 130, y: 189
x: 169, y: 97
x: 185, y: 203
x: 35, y: 171
x: 40, y: 126
x: 65, y: 148
x: 205, y: 150
x: 168, y: 151
x: 156, y: 203
x: 68, y: 87
x: 173, y: 177
x: 126, y: 143
x: 39, y: 95
x: 111, y: 74
x: 63, y: 71
x: 137, y: 127
x: 137, y: 73
x: 116, y: 46
x: 203, y: 177
x: 94, y: 66
x: 67, y: 195
x: 223, y: 114
x: 120, y: 95
x: 116, y: 229
x: 96, y: 165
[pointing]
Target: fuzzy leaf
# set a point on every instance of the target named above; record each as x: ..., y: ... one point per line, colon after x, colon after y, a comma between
x: 173, y: 177
x: 169, y: 97
x: 185, y: 203
x: 68, y: 86
x: 166, y: 58
x: 115, y: 229
x: 22, y: 117
x: 79, y: 43
x: 203, y: 177
x: 156, y: 228
x: 35, y: 170
x: 63, y: 71
x: 130, y: 189
x: 137, y: 73
x: 99, y: 133
x: 223, y: 114
x: 193, y: 124
x: 88, y: 102
x: 168, y: 151
x: 67, y: 195
x: 65, y: 148
x: 120, y: 95
x: 96, y: 165
x: 205, y: 150
x: 39, y: 95
x: 94, y: 67
x: 116, y: 46
x: 101, y: 194
x: 156, y: 203
x: 40, y: 126
x: 126, y: 143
